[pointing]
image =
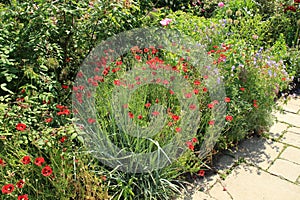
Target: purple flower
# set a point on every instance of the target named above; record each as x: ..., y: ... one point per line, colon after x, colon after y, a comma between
x: 165, y: 22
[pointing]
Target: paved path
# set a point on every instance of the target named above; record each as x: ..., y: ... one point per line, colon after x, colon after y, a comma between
x: 262, y: 168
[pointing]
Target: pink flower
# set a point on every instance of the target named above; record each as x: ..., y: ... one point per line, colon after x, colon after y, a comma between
x: 221, y: 4
x: 165, y: 22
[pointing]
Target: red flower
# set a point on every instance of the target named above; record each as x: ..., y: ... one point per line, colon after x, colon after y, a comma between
x: 201, y: 173
x: 197, y: 82
x: 229, y: 118
x: 21, y: 127
x: 119, y: 63
x: 192, y: 106
x: 91, y: 120
x: 188, y: 95
x: 117, y: 82
x: 2, y: 162
x: 62, y: 139
x: 291, y: 8
x: 130, y: 114
x: 7, y: 189
x: 147, y: 105
x: 20, y: 184
x: 138, y: 58
x: 140, y: 117
x: 296, y: 1
x: 48, y: 120
x: 39, y: 161
x: 175, y: 117
x: 210, y: 105
x: 23, y: 197
x: 177, y: 129
x: 242, y: 89
x: 190, y: 145
x: 205, y: 89
x: 46, y: 171
x: 196, y: 91
x: 65, y: 86
x: 194, y: 140
x: 211, y: 122
x: 227, y: 99
x: 155, y: 113
x: 64, y: 111
x: 25, y: 160
x: 255, y: 105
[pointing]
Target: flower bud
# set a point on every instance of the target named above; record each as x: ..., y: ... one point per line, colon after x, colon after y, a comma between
x: 229, y: 12
x: 238, y: 13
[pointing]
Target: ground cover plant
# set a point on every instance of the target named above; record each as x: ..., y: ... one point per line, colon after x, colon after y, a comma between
x: 43, y: 154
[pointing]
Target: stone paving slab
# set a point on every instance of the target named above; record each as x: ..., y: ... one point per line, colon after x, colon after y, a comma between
x: 291, y: 154
x: 259, y: 151
x: 277, y: 130
x: 286, y: 169
x: 289, y: 118
x: 291, y: 138
x: 250, y: 183
x: 218, y: 192
x: 294, y: 129
x: 293, y: 105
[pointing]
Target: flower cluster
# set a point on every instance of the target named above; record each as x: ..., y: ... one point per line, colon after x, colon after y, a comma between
x: 26, y: 160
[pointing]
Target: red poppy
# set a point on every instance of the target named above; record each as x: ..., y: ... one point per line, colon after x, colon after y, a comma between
x: 48, y: 120
x: 177, y: 129
x: 140, y: 117
x: 192, y: 106
x: 229, y: 118
x: 155, y: 113
x: 211, y: 122
x: 242, y: 89
x: 23, y: 197
x: 114, y: 71
x: 91, y: 120
x: 25, y: 160
x: 65, y: 86
x: 291, y: 8
x: 190, y: 145
x: 188, y: 95
x: 39, y: 161
x: 130, y: 114
x: 210, y: 105
x: 117, y: 82
x: 20, y: 183
x: 147, y: 105
x: 205, y: 89
x: 21, y: 127
x: 175, y: 117
x: 201, y: 173
x: 194, y: 140
x: 2, y: 162
x: 119, y: 63
x: 197, y: 82
x: 63, y: 139
x: 227, y: 99
x: 47, y: 171
x: 8, y: 188
x: 137, y: 57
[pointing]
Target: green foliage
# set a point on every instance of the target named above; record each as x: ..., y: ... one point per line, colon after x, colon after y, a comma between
x: 254, y: 45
